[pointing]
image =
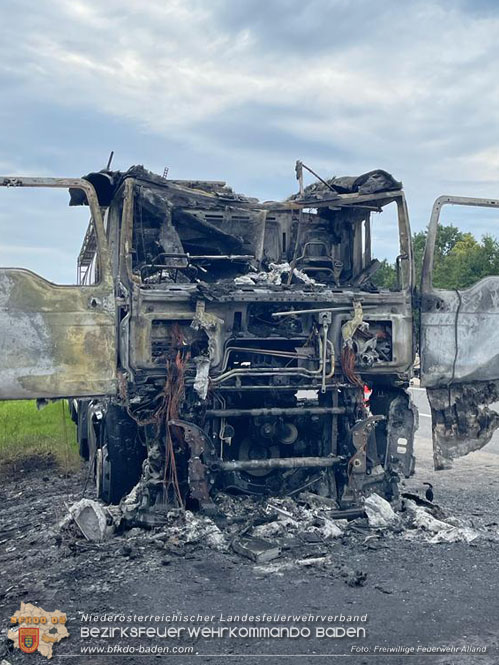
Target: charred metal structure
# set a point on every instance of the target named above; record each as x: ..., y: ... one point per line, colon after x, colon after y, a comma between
x: 250, y: 334
x: 216, y: 342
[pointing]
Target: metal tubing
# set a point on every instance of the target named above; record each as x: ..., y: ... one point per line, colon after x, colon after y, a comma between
x: 291, y: 411
x: 277, y: 463
x: 289, y: 388
x: 338, y: 308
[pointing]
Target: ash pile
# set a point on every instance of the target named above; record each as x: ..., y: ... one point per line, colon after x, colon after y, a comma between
x: 276, y: 535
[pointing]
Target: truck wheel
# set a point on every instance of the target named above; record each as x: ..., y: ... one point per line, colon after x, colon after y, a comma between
x: 120, y: 457
x: 82, y: 429
x: 73, y: 410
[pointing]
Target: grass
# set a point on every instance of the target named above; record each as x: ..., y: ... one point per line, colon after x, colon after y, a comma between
x: 48, y: 434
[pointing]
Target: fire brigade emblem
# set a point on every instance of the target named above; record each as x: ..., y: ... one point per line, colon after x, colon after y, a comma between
x: 29, y: 639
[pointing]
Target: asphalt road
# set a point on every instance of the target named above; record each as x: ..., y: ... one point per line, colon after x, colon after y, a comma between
x: 416, y: 595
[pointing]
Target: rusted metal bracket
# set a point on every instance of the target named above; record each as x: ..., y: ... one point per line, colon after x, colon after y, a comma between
x: 360, y: 436
x: 357, y: 466
x: 196, y: 440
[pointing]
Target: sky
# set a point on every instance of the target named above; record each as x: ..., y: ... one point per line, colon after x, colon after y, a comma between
x: 237, y: 90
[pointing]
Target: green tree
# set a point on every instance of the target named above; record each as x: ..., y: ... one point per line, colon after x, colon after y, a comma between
x: 460, y: 259
x: 385, y: 276
x: 468, y: 262
x: 447, y: 237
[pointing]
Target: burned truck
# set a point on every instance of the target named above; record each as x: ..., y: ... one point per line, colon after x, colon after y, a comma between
x: 215, y: 343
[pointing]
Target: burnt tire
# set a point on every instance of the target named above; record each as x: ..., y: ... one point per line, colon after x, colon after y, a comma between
x: 82, y: 429
x: 73, y: 410
x: 120, y: 456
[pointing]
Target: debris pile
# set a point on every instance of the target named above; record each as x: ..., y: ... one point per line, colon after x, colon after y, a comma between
x: 438, y: 531
x: 92, y: 519
x: 379, y: 512
x: 275, y: 276
x: 280, y: 534
x: 194, y: 528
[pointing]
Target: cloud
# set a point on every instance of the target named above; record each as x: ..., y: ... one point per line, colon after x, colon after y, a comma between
x: 239, y: 90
